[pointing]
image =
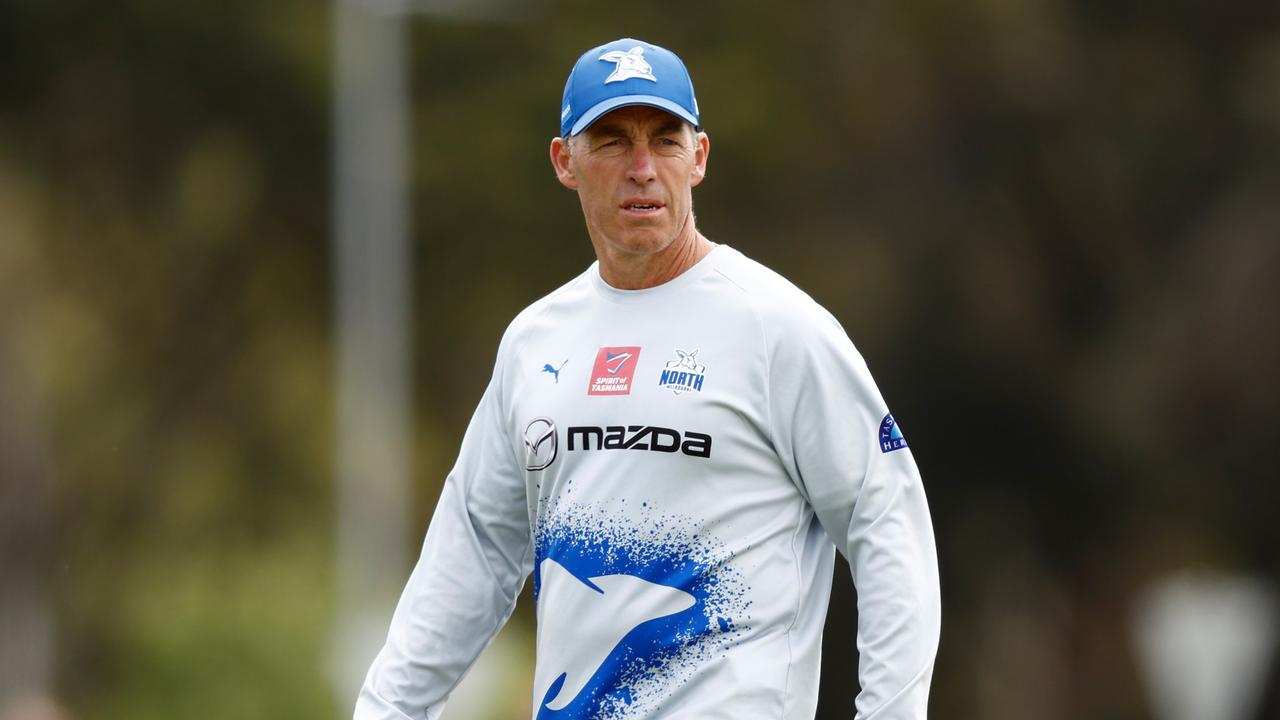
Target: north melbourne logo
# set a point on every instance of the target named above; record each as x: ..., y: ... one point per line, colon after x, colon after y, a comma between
x: 613, y: 371
x: 684, y: 374
x: 630, y: 64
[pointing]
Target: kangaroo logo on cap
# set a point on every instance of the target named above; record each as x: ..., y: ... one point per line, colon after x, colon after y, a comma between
x: 630, y: 64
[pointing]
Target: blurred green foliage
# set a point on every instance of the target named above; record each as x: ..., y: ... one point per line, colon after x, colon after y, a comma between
x: 1051, y: 227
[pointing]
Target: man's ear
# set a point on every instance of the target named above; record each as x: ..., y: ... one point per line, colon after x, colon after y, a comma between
x: 560, y: 161
x: 702, y: 148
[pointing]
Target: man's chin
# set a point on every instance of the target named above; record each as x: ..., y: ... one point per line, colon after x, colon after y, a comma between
x: 641, y: 243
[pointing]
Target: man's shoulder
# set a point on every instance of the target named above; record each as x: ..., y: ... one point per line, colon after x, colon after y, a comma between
x: 570, y: 293
x: 796, y: 329
x: 544, y: 310
x: 773, y: 297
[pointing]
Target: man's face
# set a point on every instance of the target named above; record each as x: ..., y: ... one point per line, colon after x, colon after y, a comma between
x: 634, y: 170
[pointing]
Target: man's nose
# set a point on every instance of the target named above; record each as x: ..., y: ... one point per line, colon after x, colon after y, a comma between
x: 640, y: 167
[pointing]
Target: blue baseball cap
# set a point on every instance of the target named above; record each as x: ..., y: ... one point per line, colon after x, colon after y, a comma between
x: 626, y: 72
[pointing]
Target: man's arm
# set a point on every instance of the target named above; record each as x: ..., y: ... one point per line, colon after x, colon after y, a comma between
x: 827, y: 418
x: 474, y: 560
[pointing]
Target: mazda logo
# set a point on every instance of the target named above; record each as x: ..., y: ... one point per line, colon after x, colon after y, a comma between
x: 539, y: 444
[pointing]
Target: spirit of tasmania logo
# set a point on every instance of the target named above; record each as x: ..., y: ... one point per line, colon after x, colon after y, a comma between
x: 684, y: 374
x: 612, y: 373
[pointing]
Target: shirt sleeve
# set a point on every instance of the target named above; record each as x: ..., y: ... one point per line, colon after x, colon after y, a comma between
x: 827, y: 415
x: 474, y: 560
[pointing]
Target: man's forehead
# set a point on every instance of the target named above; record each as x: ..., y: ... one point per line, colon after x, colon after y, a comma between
x: 627, y: 119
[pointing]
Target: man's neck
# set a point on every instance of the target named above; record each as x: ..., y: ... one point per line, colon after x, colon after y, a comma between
x: 637, y: 272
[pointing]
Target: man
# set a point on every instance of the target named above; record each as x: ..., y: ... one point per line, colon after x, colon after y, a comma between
x: 674, y: 444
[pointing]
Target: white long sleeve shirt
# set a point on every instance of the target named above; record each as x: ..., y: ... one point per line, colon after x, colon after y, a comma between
x: 676, y: 467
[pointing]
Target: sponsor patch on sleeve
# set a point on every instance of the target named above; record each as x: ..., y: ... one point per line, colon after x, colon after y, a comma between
x: 891, y: 435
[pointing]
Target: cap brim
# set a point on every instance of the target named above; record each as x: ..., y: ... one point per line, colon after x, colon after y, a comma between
x: 614, y: 103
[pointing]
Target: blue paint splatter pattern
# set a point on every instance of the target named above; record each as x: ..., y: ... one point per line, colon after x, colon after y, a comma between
x: 591, y: 540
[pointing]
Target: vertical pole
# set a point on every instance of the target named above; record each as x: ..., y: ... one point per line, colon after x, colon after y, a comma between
x: 371, y: 268
x: 29, y: 530
x: 28, y: 527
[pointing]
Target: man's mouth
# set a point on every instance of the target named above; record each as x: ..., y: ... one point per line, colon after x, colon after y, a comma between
x: 641, y: 205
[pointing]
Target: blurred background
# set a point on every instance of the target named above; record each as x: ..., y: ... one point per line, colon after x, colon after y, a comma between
x: 256, y: 258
